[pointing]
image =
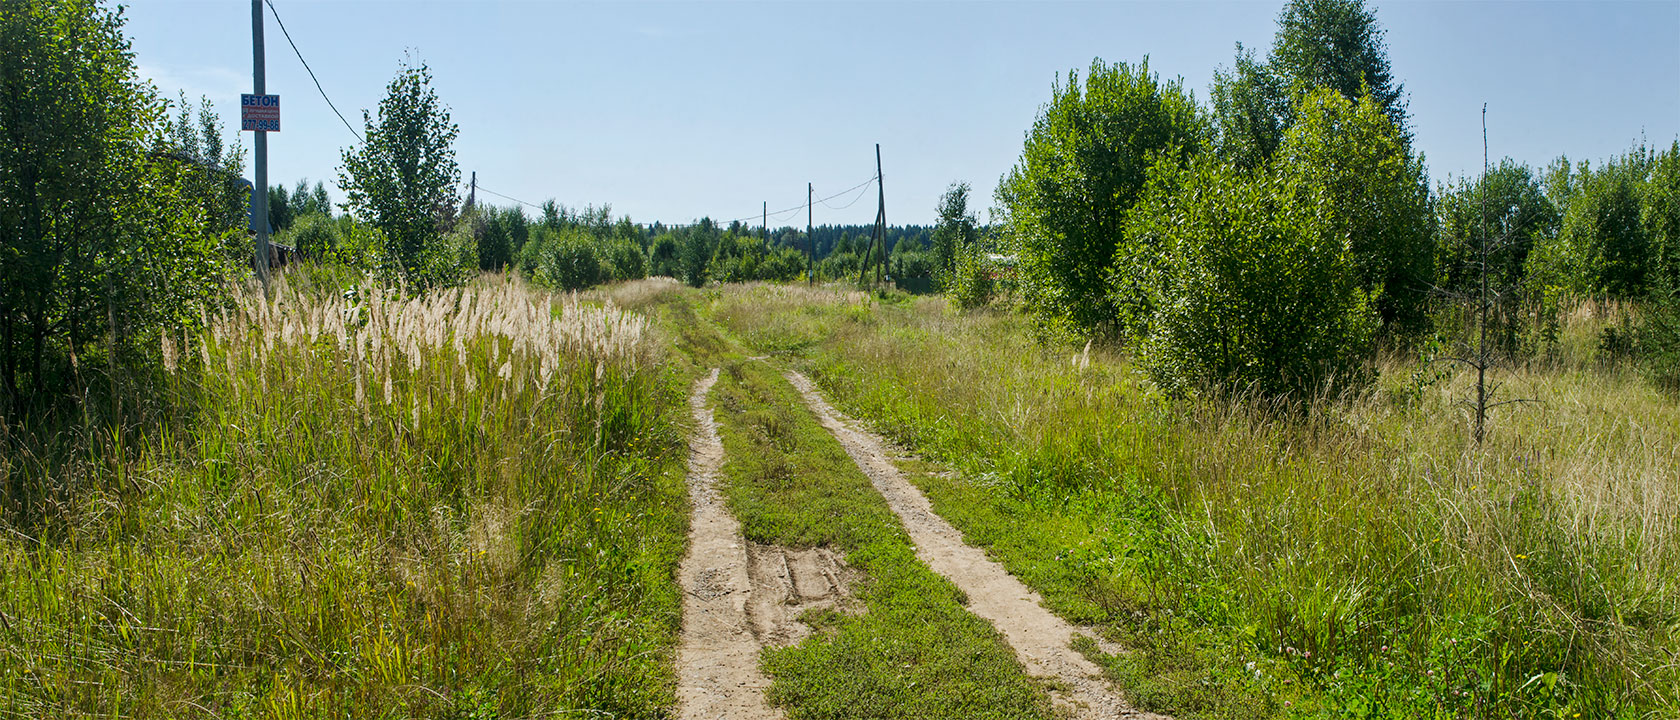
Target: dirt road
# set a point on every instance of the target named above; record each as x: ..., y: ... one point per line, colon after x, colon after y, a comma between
x: 1042, y: 641
x: 717, y: 664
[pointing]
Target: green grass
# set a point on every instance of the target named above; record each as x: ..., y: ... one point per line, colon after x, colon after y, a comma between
x: 1358, y: 560
x: 466, y: 504
x: 914, y: 651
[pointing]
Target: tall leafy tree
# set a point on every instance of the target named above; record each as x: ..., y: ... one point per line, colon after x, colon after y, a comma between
x: 100, y: 240
x: 403, y: 179
x: 1250, y: 109
x: 1335, y: 44
x: 1084, y: 163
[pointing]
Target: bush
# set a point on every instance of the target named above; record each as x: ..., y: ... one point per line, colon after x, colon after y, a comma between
x: 314, y: 236
x: 625, y: 260
x: 912, y: 264
x: 565, y: 259
x: 971, y: 281
x: 450, y: 260
x: 781, y: 265
x: 1250, y: 287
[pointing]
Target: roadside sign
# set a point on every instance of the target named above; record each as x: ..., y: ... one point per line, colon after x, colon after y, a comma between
x: 259, y: 112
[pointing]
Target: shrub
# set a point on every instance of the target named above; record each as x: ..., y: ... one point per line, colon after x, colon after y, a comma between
x: 314, y: 236
x: 1250, y: 286
x: 625, y: 260
x: 971, y: 281
x: 1659, y: 338
x: 565, y: 259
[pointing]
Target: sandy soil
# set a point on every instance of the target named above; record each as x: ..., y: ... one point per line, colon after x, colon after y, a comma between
x: 717, y: 663
x: 1041, y: 640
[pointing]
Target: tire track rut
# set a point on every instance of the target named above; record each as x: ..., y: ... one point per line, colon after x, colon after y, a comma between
x: 717, y: 662
x: 1042, y: 641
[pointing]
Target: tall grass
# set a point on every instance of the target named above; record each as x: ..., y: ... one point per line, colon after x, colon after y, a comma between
x: 1360, y: 560
x: 467, y: 503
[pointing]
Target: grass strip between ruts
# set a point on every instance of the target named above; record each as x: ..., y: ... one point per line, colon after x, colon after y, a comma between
x: 914, y: 652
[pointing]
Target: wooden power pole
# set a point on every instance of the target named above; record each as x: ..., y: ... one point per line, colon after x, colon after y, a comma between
x: 810, y: 241
x: 880, y: 213
x: 879, y: 235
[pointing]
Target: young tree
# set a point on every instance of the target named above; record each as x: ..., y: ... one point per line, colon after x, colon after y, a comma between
x: 1601, y: 232
x: 1250, y: 107
x: 956, y: 233
x: 1084, y: 163
x: 210, y: 170
x: 698, y: 244
x: 1659, y: 217
x: 403, y: 179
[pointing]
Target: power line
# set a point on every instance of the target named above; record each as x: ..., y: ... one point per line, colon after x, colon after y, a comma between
x: 306, y: 67
x: 507, y: 197
x: 861, y: 191
x: 802, y: 206
x: 774, y: 214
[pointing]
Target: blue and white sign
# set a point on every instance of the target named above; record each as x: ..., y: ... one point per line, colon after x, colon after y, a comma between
x: 260, y: 113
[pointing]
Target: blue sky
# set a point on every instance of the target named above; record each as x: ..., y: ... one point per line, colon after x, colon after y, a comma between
x: 673, y: 111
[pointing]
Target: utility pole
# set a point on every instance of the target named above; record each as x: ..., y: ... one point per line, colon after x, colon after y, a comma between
x: 764, y: 222
x: 880, y: 213
x: 879, y: 235
x: 472, y: 194
x: 259, y: 190
x: 810, y: 242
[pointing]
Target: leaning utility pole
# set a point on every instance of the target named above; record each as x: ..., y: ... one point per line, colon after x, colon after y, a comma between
x: 880, y: 213
x: 259, y: 190
x: 764, y: 221
x: 879, y: 234
x: 810, y: 242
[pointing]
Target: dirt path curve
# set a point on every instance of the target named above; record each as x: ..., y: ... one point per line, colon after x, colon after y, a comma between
x: 1041, y: 640
x: 717, y: 663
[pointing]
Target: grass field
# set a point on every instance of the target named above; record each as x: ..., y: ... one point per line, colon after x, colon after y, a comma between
x: 465, y: 504
x: 471, y: 504
x: 1359, y: 560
